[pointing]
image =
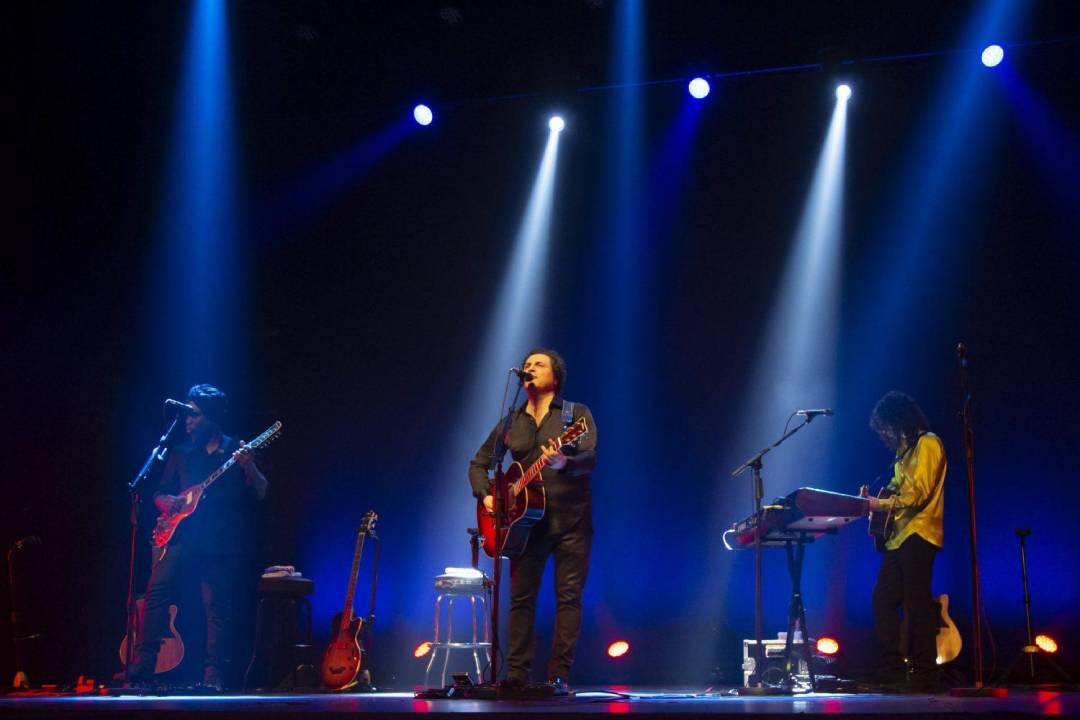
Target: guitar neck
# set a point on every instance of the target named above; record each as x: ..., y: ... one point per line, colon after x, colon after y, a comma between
x: 529, y: 475
x: 347, y: 613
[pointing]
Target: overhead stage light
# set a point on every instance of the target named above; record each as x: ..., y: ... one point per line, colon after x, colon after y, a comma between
x: 556, y: 124
x: 422, y: 649
x: 993, y: 55
x: 843, y: 92
x: 423, y: 115
x: 699, y: 88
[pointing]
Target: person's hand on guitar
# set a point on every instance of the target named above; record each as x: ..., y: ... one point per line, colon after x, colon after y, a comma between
x: 873, y: 503
x: 252, y: 473
x: 555, y: 459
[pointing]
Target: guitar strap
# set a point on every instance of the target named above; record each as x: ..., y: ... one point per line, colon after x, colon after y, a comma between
x: 567, y: 414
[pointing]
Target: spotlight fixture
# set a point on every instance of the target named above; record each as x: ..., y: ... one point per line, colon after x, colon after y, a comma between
x: 422, y: 649
x: 423, y: 115
x: 556, y: 123
x: 993, y: 55
x: 618, y: 649
x: 699, y: 88
x: 843, y: 92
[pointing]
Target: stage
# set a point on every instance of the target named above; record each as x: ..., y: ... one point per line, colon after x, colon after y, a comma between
x: 656, y: 703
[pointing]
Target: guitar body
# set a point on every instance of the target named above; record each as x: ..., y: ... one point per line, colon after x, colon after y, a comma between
x: 523, y: 510
x: 343, y: 656
x: 166, y: 524
x: 949, y: 642
x: 171, y: 653
x: 881, y: 522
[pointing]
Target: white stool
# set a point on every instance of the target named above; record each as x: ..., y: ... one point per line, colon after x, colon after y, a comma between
x: 456, y: 584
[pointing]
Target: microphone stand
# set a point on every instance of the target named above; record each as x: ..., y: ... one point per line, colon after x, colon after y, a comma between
x: 967, y: 416
x: 499, y: 501
x: 156, y: 459
x: 754, y: 463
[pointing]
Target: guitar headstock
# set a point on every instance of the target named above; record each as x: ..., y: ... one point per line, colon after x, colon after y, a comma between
x: 575, y: 433
x: 367, y: 523
x: 270, y: 435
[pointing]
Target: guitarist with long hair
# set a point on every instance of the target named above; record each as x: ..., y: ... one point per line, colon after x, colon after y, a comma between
x: 564, y: 531
x: 915, y: 502
x: 211, y: 542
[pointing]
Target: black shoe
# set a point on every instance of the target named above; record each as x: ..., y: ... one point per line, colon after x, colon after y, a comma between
x: 559, y: 685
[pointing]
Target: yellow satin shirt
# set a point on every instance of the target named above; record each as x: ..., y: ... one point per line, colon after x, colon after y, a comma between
x: 919, y: 483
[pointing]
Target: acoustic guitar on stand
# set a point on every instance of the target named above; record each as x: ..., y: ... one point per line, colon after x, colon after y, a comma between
x: 524, y: 499
x: 344, y: 655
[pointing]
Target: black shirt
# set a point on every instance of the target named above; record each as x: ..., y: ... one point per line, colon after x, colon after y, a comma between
x: 569, y: 499
x: 222, y: 523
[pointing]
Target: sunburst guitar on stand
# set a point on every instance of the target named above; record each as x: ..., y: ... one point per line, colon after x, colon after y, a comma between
x: 525, y: 500
x: 345, y: 653
x: 189, y: 499
x: 171, y: 652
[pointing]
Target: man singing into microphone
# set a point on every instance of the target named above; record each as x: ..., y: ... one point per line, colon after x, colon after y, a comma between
x: 211, y: 542
x: 918, y: 484
x: 565, y: 531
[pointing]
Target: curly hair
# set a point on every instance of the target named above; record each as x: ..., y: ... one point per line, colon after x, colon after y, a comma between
x: 898, y: 412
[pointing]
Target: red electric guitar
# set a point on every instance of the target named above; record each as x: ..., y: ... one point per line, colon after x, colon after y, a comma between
x: 167, y: 522
x: 525, y: 505
x: 344, y: 655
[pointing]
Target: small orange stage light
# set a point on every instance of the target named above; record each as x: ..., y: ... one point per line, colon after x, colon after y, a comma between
x: 828, y: 646
x: 1046, y: 643
x: 618, y: 649
x: 422, y: 649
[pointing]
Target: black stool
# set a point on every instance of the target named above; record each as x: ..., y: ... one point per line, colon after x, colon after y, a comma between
x: 282, y: 626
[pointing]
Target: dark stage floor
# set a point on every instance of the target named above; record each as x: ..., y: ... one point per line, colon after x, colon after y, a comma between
x: 656, y: 703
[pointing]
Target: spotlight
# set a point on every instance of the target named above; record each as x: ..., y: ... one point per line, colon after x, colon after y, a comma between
x: 1046, y: 643
x: 828, y: 646
x: 423, y: 115
x: 993, y: 55
x: 699, y: 88
x: 843, y: 92
x: 422, y: 649
x: 618, y: 649
x: 556, y: 123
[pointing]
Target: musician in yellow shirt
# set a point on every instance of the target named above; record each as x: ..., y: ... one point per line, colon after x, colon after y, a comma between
x: 907, y: 568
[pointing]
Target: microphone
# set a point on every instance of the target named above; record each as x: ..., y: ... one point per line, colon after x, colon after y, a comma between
x: 525, y: 376
x: 811, y: 414
x: 172, y: 408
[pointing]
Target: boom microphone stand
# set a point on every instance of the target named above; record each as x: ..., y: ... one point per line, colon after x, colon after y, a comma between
x: 757, y: 686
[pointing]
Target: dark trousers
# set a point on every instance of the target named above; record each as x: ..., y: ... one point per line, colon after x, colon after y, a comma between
x: 571, y: 551
x: 217, y: 576
x: 904, y: 582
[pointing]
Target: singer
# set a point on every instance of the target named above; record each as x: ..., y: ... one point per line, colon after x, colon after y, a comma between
x: 566, y: 528
x: 907, y: 568
x: 213, y: 542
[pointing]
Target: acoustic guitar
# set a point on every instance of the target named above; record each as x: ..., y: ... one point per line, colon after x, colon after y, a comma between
x: 171, y: 652
x: 188, y: 500
x: 881, y: 526
x: 948, y: 640
x: 525, y: 500
x: 345, y: 653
